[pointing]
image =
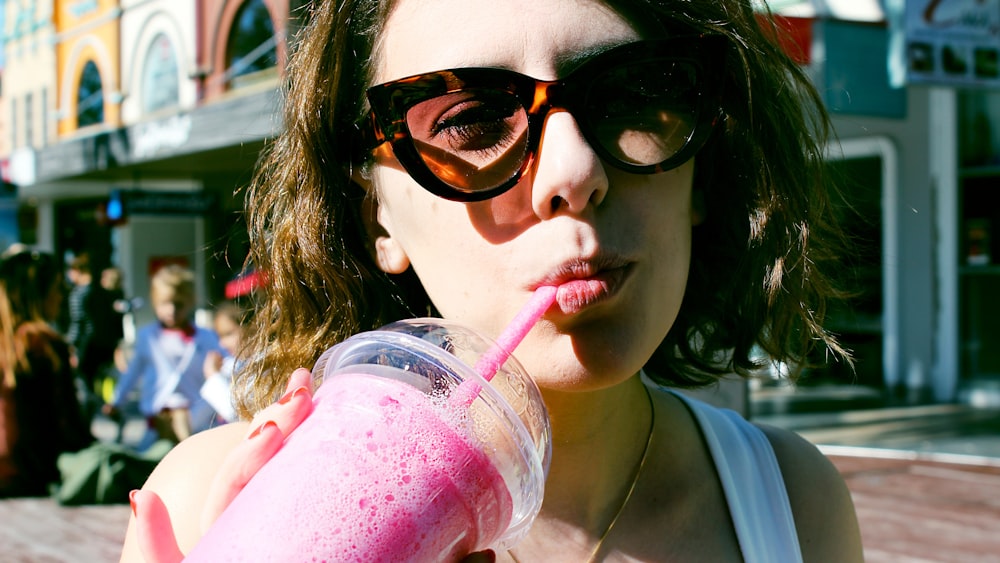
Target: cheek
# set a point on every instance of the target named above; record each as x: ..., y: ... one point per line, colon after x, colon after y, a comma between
x: 438, y: 236
x: 660, y: 215
x: 658, y: 206
x: 229, y: 342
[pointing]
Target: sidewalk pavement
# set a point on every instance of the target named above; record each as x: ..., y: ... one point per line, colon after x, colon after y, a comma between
x: 925, y: 479
x: 858, y: 417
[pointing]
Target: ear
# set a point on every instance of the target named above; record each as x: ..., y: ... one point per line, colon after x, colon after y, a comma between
x: 698, y: 209
x: 386, y: 250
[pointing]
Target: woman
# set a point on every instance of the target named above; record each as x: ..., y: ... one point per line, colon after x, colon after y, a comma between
x: 40, y: 415
x: 659, y: 161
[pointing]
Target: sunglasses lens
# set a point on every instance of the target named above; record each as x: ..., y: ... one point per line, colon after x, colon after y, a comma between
x: 645, y: 113
x: 473, y: 140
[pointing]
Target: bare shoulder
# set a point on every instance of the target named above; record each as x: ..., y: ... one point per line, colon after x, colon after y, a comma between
x: 182, y: 480
x: 194, y: 460
x: 825, y: 520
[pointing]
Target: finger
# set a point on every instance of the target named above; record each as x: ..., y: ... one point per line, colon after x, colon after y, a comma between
x: 154, y: 532
x: 269, y: 427
x: 291, y: 409
x: 238, y: 467
x: 299, y: 378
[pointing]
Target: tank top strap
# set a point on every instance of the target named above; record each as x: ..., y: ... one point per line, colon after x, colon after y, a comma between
x: 752, y: 482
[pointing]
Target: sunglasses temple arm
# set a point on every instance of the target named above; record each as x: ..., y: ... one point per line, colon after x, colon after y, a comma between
x: 367, y: 136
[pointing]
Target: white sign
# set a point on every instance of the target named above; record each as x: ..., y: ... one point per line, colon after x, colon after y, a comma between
x: 945, y: 42
x: 22, y: 166
x: 159, y: 136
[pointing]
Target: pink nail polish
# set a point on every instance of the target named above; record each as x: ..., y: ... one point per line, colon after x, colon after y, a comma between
x: 288, y: 396
x: 260, y: 428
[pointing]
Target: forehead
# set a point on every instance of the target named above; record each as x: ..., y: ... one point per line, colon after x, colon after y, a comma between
x: 224, y: 324
x: 164, y: 291
x: 529, y: 36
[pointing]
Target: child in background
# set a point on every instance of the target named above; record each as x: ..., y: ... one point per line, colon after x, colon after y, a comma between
x: 168, y: 357
x: 228, y: 323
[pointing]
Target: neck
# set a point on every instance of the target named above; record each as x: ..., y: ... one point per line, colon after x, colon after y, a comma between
x: 597, y: 440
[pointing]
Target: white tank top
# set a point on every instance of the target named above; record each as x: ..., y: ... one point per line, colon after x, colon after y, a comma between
x: 751, y: 479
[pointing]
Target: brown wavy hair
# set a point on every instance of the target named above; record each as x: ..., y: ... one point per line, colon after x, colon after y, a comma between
x: 26, y: 277
x: 758, y: 259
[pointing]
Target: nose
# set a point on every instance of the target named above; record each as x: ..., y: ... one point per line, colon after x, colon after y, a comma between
x: 568, y: 176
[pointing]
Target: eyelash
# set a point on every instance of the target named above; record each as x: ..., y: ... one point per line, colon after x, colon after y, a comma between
x: 486, y: 116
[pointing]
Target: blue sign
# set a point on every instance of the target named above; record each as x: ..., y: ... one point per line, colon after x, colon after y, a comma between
x: 855, y: 77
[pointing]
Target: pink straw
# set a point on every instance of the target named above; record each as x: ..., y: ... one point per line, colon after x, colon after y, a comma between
x: 489, y: 363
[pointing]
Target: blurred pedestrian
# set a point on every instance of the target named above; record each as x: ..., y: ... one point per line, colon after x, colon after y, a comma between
x: 109, y: 329
x: 229, y: 319
x: 168, y: 357
x: 111, y: 281
x: 94, y: 328
x: 40, y: 413
x: 78, y: 327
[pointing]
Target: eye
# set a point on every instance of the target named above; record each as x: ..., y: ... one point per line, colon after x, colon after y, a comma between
x: 644, y: 92
x: 644, y: 113
x: 486, y: 122
x: 475, y: 123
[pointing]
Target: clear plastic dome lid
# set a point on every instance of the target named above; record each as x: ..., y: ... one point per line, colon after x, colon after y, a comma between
x: 507, y: 414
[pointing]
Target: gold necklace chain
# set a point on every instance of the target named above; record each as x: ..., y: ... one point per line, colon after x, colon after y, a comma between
x: 631, y: 488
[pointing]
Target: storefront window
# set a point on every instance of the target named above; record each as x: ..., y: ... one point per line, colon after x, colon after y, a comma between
x: 159, y: 76
x: 90, y: 97
x: 251, y: 42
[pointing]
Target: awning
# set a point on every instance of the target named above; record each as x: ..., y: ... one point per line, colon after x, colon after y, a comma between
x: 846, y: 10
x: 244, y: 284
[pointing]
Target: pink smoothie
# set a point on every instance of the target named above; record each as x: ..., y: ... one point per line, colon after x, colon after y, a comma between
x: 378, y: 472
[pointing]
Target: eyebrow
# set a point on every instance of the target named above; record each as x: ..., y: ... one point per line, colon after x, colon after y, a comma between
x: 566, y: 63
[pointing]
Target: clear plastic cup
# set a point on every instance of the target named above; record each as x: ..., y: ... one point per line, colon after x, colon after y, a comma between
x: 399, y: 460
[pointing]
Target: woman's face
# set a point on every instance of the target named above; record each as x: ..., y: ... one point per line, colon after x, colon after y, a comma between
x: 617, y: 244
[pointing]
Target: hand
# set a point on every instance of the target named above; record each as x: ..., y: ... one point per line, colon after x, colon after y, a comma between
x: 213, y: 363
x: 268, y: 430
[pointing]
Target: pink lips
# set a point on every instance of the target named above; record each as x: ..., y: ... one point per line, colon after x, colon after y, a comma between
x: 583, y: 284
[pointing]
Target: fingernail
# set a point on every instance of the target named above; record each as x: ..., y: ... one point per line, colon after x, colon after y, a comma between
x: 131, y: 500
x: 259, y: 429
x: 291, y: 394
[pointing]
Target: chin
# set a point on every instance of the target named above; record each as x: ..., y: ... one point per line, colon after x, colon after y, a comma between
x: 585, y: 360
x: 574, y: 376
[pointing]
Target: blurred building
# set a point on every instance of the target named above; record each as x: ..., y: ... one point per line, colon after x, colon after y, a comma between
x: 132, y: 124
x: 914, y: 89
x: 128, y: 127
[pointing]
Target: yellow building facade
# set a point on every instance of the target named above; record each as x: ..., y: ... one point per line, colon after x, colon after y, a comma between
x: 88, y: 64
